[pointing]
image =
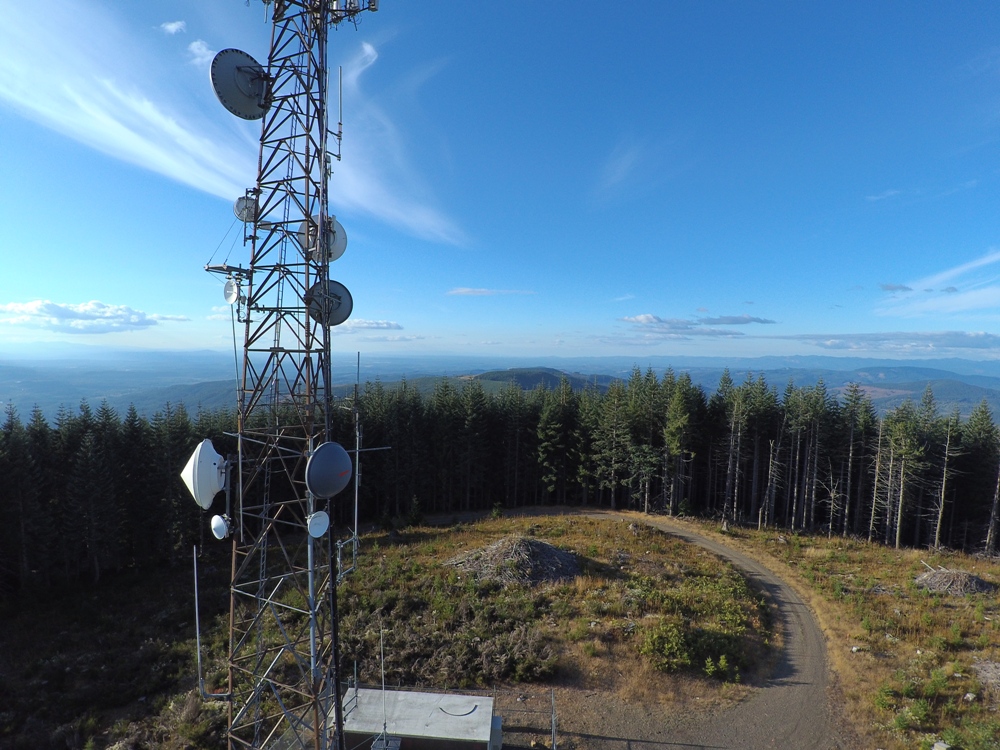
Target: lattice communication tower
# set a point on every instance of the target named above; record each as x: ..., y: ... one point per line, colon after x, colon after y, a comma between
x: 282, y: 673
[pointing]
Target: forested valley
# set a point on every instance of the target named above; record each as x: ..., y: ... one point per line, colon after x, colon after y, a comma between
x: 97, y: 492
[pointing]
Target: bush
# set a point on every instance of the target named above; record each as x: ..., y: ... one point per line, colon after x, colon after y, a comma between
x: 674, y: 647
x: 667, y: 647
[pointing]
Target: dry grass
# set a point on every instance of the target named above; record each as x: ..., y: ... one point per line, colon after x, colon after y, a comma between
x: 592, y: 589
x: 904, y: 656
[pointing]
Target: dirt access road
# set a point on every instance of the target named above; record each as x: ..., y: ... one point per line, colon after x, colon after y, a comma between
x: 791, y: 710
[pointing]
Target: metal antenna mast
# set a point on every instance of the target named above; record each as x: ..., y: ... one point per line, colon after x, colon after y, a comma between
x: 283, y: 680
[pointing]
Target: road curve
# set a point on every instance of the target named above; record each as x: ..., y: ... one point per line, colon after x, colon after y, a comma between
x: 792, y: 709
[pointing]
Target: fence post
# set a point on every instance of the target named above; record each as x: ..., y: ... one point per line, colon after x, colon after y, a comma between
x: 553, y: 719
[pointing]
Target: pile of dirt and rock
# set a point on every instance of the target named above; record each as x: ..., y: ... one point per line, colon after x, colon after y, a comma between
x: 988, y: 673
x: 518, y: 559
x: 944, y: 581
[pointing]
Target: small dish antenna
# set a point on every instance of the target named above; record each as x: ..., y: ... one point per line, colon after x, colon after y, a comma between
x: 221, y: 527
x: 328, y: 471
x: 245, y: 209
x: 318, y: 523
x: 336, y: 238
x: 339, y: 303
x: 204, y: 474
x: 240, y: 84
x: 231, y: 291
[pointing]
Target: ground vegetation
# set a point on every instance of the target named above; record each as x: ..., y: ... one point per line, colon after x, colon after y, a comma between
x: 913, y: 635
x: 606, y: 604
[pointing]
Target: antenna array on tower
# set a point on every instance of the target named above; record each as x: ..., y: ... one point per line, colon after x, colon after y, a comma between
x: 282, y: 664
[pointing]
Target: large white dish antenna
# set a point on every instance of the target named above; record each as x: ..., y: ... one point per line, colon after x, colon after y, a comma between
x: 328, y: 470
x: 335, y: 241
x: 240, y: 84
x: 339, y: 303
x: 204, y: 474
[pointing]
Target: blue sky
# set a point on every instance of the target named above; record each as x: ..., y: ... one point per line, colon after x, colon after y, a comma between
x: 585, y: 178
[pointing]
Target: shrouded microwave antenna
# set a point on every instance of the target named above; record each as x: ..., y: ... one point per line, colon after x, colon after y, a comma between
x: 205, y: 474
x: 338, y: 303
x: 222, y: 527
x: 240, y: 83
x: 335, y: 242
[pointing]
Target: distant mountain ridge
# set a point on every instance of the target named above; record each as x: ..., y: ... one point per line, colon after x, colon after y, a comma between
x: 529, y: 378
x: 207, y: 380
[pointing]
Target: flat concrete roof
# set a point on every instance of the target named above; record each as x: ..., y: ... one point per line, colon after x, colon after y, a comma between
x: 445, y: 716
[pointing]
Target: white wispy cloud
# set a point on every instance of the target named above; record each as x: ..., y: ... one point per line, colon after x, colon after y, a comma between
x: 970, y: 287
x: 106, y: 90
x: 960, y: 188
x: 881, y: 196
x: 620, y: 164
x: 360, y: 324
x: 87, y: 317
x: 635, y: 165
x: 904, y: 343
x: 465, y: 291
x: 376, y: 177
x: 653, y: 326
x: 222, y: 312
x: 97, y: 91
x: 733, y: 320
x: 173, y: 27
x: 959, y: 271
x: 648, y: 320
x: 201, y: 53
x: 393, y: 339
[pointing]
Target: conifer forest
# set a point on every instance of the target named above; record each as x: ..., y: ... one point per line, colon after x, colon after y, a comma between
x: 96, y: 491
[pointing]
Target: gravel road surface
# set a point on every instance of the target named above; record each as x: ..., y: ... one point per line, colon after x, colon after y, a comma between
x: 791, y: 710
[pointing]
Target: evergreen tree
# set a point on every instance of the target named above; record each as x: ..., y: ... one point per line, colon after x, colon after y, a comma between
x: 23, y: 530
x: 613, y: 441
x: 558, y: 450
x: 476, y: 445
x: 976, y: 479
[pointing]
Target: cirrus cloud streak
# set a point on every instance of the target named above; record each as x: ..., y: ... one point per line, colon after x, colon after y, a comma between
x: 465, y: 291
x: 105, y: 90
